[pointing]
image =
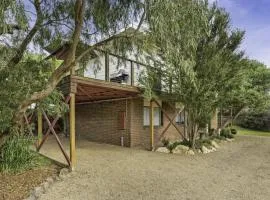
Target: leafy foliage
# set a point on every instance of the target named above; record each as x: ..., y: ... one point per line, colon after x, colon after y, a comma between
x: 28, y: 79
x: 233, y: 131
x: 19, y: 83
x: 226, y: 133
x: 255, y: 120
x: 16, y: 155
x: 201, y: 63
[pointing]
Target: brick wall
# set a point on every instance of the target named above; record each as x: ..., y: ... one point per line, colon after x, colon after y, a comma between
x: 99, y: 122
x: 140, y: 135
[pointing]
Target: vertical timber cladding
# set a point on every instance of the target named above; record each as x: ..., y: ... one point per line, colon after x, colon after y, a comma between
x: 104, y: 122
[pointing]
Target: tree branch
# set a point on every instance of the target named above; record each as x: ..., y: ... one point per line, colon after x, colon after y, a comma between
x: 67, y: 65
x: 20, y: 51
x: 9, y: 29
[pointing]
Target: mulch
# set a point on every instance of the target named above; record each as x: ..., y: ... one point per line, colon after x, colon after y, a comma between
x: 18, y: 186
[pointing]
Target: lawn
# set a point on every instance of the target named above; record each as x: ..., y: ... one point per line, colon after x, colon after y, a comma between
x: 244, y: 131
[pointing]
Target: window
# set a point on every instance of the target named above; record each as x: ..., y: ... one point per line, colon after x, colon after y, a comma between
x: 157, y: 117
x: 180, y: 118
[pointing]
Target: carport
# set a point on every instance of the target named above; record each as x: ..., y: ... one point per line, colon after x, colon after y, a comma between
x: 80, y: 90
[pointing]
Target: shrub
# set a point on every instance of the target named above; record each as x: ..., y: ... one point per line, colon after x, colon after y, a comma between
x: 226, y: 133
x: 256, y: 121
x: 233, y: 131
x: 16, y: 155
x: 212, y: 132
x: 172, y: 145
x: 185, y: 143
x: 165, y: 142
x: 218, y: 137
x: 202, y: 142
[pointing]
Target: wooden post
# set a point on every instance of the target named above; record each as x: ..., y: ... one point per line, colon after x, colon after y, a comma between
x: 72, y: 131
x: 151, y: 128
x: 185, y: 123
x: 231, y: 117
x: 131, y: 73
x: 107, y: 69
x: 39, y: 116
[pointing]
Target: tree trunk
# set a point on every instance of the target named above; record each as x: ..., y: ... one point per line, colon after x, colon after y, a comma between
x: 192, y: 127
x: 58, y: 74
x: 20, y: 51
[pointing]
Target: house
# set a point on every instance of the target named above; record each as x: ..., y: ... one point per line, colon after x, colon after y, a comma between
x: 110, y: 107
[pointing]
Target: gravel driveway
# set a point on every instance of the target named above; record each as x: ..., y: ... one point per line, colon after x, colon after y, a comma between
x: 239, y: 170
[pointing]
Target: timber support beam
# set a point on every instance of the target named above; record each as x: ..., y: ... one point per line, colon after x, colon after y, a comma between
x: 72, y: 131
x: 151, y: 128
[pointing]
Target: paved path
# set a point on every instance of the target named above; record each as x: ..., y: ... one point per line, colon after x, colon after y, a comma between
x: 239, y: 170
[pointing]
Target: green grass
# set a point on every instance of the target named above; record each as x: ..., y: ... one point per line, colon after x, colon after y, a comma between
x: 244, y: 131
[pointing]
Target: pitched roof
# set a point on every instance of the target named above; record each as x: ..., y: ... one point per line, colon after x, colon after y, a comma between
x: 60, y: 51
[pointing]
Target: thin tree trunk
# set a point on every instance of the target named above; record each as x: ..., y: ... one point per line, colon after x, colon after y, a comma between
x: 58, y: 74
x: 20, y: 51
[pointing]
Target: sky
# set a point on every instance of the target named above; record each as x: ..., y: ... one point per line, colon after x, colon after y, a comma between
x: 253, y: 16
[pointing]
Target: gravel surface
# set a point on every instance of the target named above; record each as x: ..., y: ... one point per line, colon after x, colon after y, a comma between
x: 238, y: 170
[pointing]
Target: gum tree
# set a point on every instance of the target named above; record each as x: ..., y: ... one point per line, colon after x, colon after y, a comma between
x: 26, y: 24
x: 252, y: 94
x: 199, y: 55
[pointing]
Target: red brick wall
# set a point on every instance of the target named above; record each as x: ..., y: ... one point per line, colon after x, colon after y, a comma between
x: 99, y: 122
x: 140, y: 135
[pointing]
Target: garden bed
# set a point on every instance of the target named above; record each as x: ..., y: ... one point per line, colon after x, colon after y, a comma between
x: 18, y: 186
x: 204, y: 145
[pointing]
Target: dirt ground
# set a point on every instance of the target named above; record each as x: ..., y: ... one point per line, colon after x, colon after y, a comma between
x: 239, y: 170
x: 18, y: 186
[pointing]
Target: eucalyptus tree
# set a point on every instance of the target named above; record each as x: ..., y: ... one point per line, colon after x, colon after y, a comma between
x: 200, y: 56
x: 252, y: 94
x: 30, y: 23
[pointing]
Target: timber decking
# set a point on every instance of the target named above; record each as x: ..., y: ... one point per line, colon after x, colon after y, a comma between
x: 88, y: 89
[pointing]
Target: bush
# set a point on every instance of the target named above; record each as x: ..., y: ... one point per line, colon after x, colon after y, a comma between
x: 172, y: 145
x: 226, y: 133
x: 165, y: 142
x: 218, y: 137
x: 233, y: 131
x: 255, y: 121
x: 185, y: 143
x: 202, y: 142
x: 212, y: 132
x: 16, y: 155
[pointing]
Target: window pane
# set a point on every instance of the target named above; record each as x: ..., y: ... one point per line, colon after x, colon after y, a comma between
x: 180, y: 118
x: 146, y: 121
x: 156, y: 116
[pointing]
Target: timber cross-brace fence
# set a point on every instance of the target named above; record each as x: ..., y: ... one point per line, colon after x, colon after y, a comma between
x: 171, y: 122
x: 42, y: 138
